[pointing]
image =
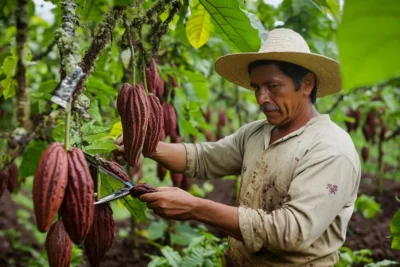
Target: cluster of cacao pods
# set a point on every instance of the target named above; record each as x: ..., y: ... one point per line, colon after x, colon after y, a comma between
x: 370, y: 128
x: 63, y: 183
x: 9, y: 179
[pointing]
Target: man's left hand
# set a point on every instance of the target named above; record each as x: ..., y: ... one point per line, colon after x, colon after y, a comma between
x: 171, y: 203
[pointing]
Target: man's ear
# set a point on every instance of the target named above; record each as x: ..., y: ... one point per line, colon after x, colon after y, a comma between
x: 308, y: 83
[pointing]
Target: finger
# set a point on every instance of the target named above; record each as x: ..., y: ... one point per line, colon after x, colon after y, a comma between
x: 151, y: 197
x: 167, y: 188
x: 119, y: 140
x: 121, y: 149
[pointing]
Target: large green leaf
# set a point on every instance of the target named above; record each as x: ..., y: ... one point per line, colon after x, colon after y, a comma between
x: 369, y: 41
x: 199, y: 85
x: 31, y: 158
x: 232, y: 24
x: 395, y: 230
x: 199, y: 27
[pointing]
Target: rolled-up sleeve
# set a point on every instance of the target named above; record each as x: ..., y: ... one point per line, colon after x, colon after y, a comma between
x: 215, y: 159
x: 322, y: 186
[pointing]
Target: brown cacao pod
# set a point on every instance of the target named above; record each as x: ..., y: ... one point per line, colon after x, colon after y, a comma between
x: 371, y: 123
x: 134, y: 112
x: 382, y: 134
x: 3, y: 181
x: 170, y: 119
x: 78, y: 205
x: 175, y: 139
x: 367, y: 133
x: 207, y: 115
x: 155, y: 83
x: 349, y: 125
x: 58, y: 246
x: 221, y: 119
x: 365, y: 153
x: 357, y: 119
x: 49, y: 184
x: 101, y: 235
x: 176, y: 179
x: 115, y: 168
x: 186, y: 183
x: 209, y: 136
x: 12, y: 182
x: 161, y: 172
x: 140, y: 189
x: 155, y: 125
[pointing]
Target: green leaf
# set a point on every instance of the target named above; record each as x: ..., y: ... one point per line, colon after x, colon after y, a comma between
x: 124, y: 2
x: 199, y: 84
x: 172, y: 256
x: 232, y: 24
x: 395, y: 230
x: 367, y: 205
x: 94, y: 137
x: 89, y: 128
x: 94, y: 112
x: 100, y: 86
x: 156, y: 230
x: 9, y: 86
x: 257, y: 24
x: 199, y: 27
x: 368, y: 42
x: 100, y: 147
x: 116, y: 130
x: 31, y: 158
x: 48, y: 86
x: 9, y: 65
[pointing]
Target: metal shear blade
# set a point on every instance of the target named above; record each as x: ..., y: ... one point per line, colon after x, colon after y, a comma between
x: 123, y: 192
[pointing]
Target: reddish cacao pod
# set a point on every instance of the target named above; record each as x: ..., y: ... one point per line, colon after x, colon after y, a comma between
x: 155, y: 125
x: 3, y: 181
x: 207, y: 115
x: 221, y: 119
x: 186, y: 183
x: 170, y: 119
x: 115, y: 168
x: 209, y: 136
x: 49, y: 184
x: 161, y: 172
x: 160, y: 89
x: 367, y: 133
x: 140, y: 189
x: 176, y: 179
x: 365, y: 153
x: 123, y: 99
x: 58, y: 246
x: 357, y: 119
x: 101, y: 235
x: 175, y: 139
x: 349, y: 125
x: 155, y: 83
x: 78, y: 206
x: 12, y: 182
x: 134, y: 121
x: 371, y: 120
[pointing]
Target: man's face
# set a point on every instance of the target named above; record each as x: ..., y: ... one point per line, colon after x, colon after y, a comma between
x: 276, y: 94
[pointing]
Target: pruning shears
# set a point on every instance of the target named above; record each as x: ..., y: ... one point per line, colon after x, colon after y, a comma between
x: 96, y: 162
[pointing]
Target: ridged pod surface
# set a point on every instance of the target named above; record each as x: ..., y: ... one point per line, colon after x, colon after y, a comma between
x: 101, y: 235
x: 155, y: 83
x: 78, y: 205
x: 170, y: 117
x: 49, y: 184
x: 155, y: 125
x: 115, y: 168
x: 140, y: 189
x: 3, y: 181
x: 12, y: 182
x: 134, y: 112
x: 58, y: 246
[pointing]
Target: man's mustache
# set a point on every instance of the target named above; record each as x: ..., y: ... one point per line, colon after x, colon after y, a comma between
x: 266, y: 108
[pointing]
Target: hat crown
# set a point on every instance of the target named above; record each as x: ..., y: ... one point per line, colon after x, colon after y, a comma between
x: 284, y: 40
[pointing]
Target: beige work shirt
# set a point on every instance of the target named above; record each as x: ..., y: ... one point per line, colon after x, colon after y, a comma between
x: 296, y: 196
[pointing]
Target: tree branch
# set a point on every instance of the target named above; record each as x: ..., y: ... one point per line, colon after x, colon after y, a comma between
x: 336, y: 104
x: 393, y: 135
x: 23, y: 103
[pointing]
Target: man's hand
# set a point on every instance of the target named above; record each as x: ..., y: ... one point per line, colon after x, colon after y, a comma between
x: 171, y: 203
x: 118, y: 155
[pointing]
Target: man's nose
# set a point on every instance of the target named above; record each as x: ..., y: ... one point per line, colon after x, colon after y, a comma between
x: 263, y: 96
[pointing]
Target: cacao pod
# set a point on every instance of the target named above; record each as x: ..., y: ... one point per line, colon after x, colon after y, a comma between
x: 49, y: 184
x: 221, y: 119
x: 170, y: 123
x: 175, y: 139
x: 365, y: 153
x: 207, y: 115
x: 176, y: 179
x: 209, y: 136
x: 115, y: 168
x: 58, y: 246
x: 186, y: 183
x: 134, y: 112
x: 12, y: 182
x: 367, y: 133
x: 161, y: 172
x: 349, y: 125
x: 357, y: 118
x: 155, y: 125
x: 3, y: 181
x: 371, y: 123
x: 101, y: 235
x: 140, y: 189
x: 155, y: 83
x: 78, y: 206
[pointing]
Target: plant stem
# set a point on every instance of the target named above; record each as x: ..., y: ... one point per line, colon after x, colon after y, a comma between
x: 144, y: 76
x: 68, y: 127
x: 381, y: 167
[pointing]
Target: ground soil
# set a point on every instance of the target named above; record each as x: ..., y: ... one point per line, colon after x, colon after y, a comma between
x: 362, y: 233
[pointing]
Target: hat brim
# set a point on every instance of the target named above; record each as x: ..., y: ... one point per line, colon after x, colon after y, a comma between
x: 234, y: 68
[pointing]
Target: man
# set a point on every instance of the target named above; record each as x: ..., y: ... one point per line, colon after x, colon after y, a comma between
x: 299, y: 171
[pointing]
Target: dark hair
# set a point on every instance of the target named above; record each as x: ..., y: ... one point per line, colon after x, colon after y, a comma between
x: 295, y: 72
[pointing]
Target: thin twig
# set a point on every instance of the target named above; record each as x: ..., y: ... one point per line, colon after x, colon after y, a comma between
x: 336, y: 104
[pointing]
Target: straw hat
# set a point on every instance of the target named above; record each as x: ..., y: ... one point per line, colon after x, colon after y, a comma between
x: 283, y: 45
